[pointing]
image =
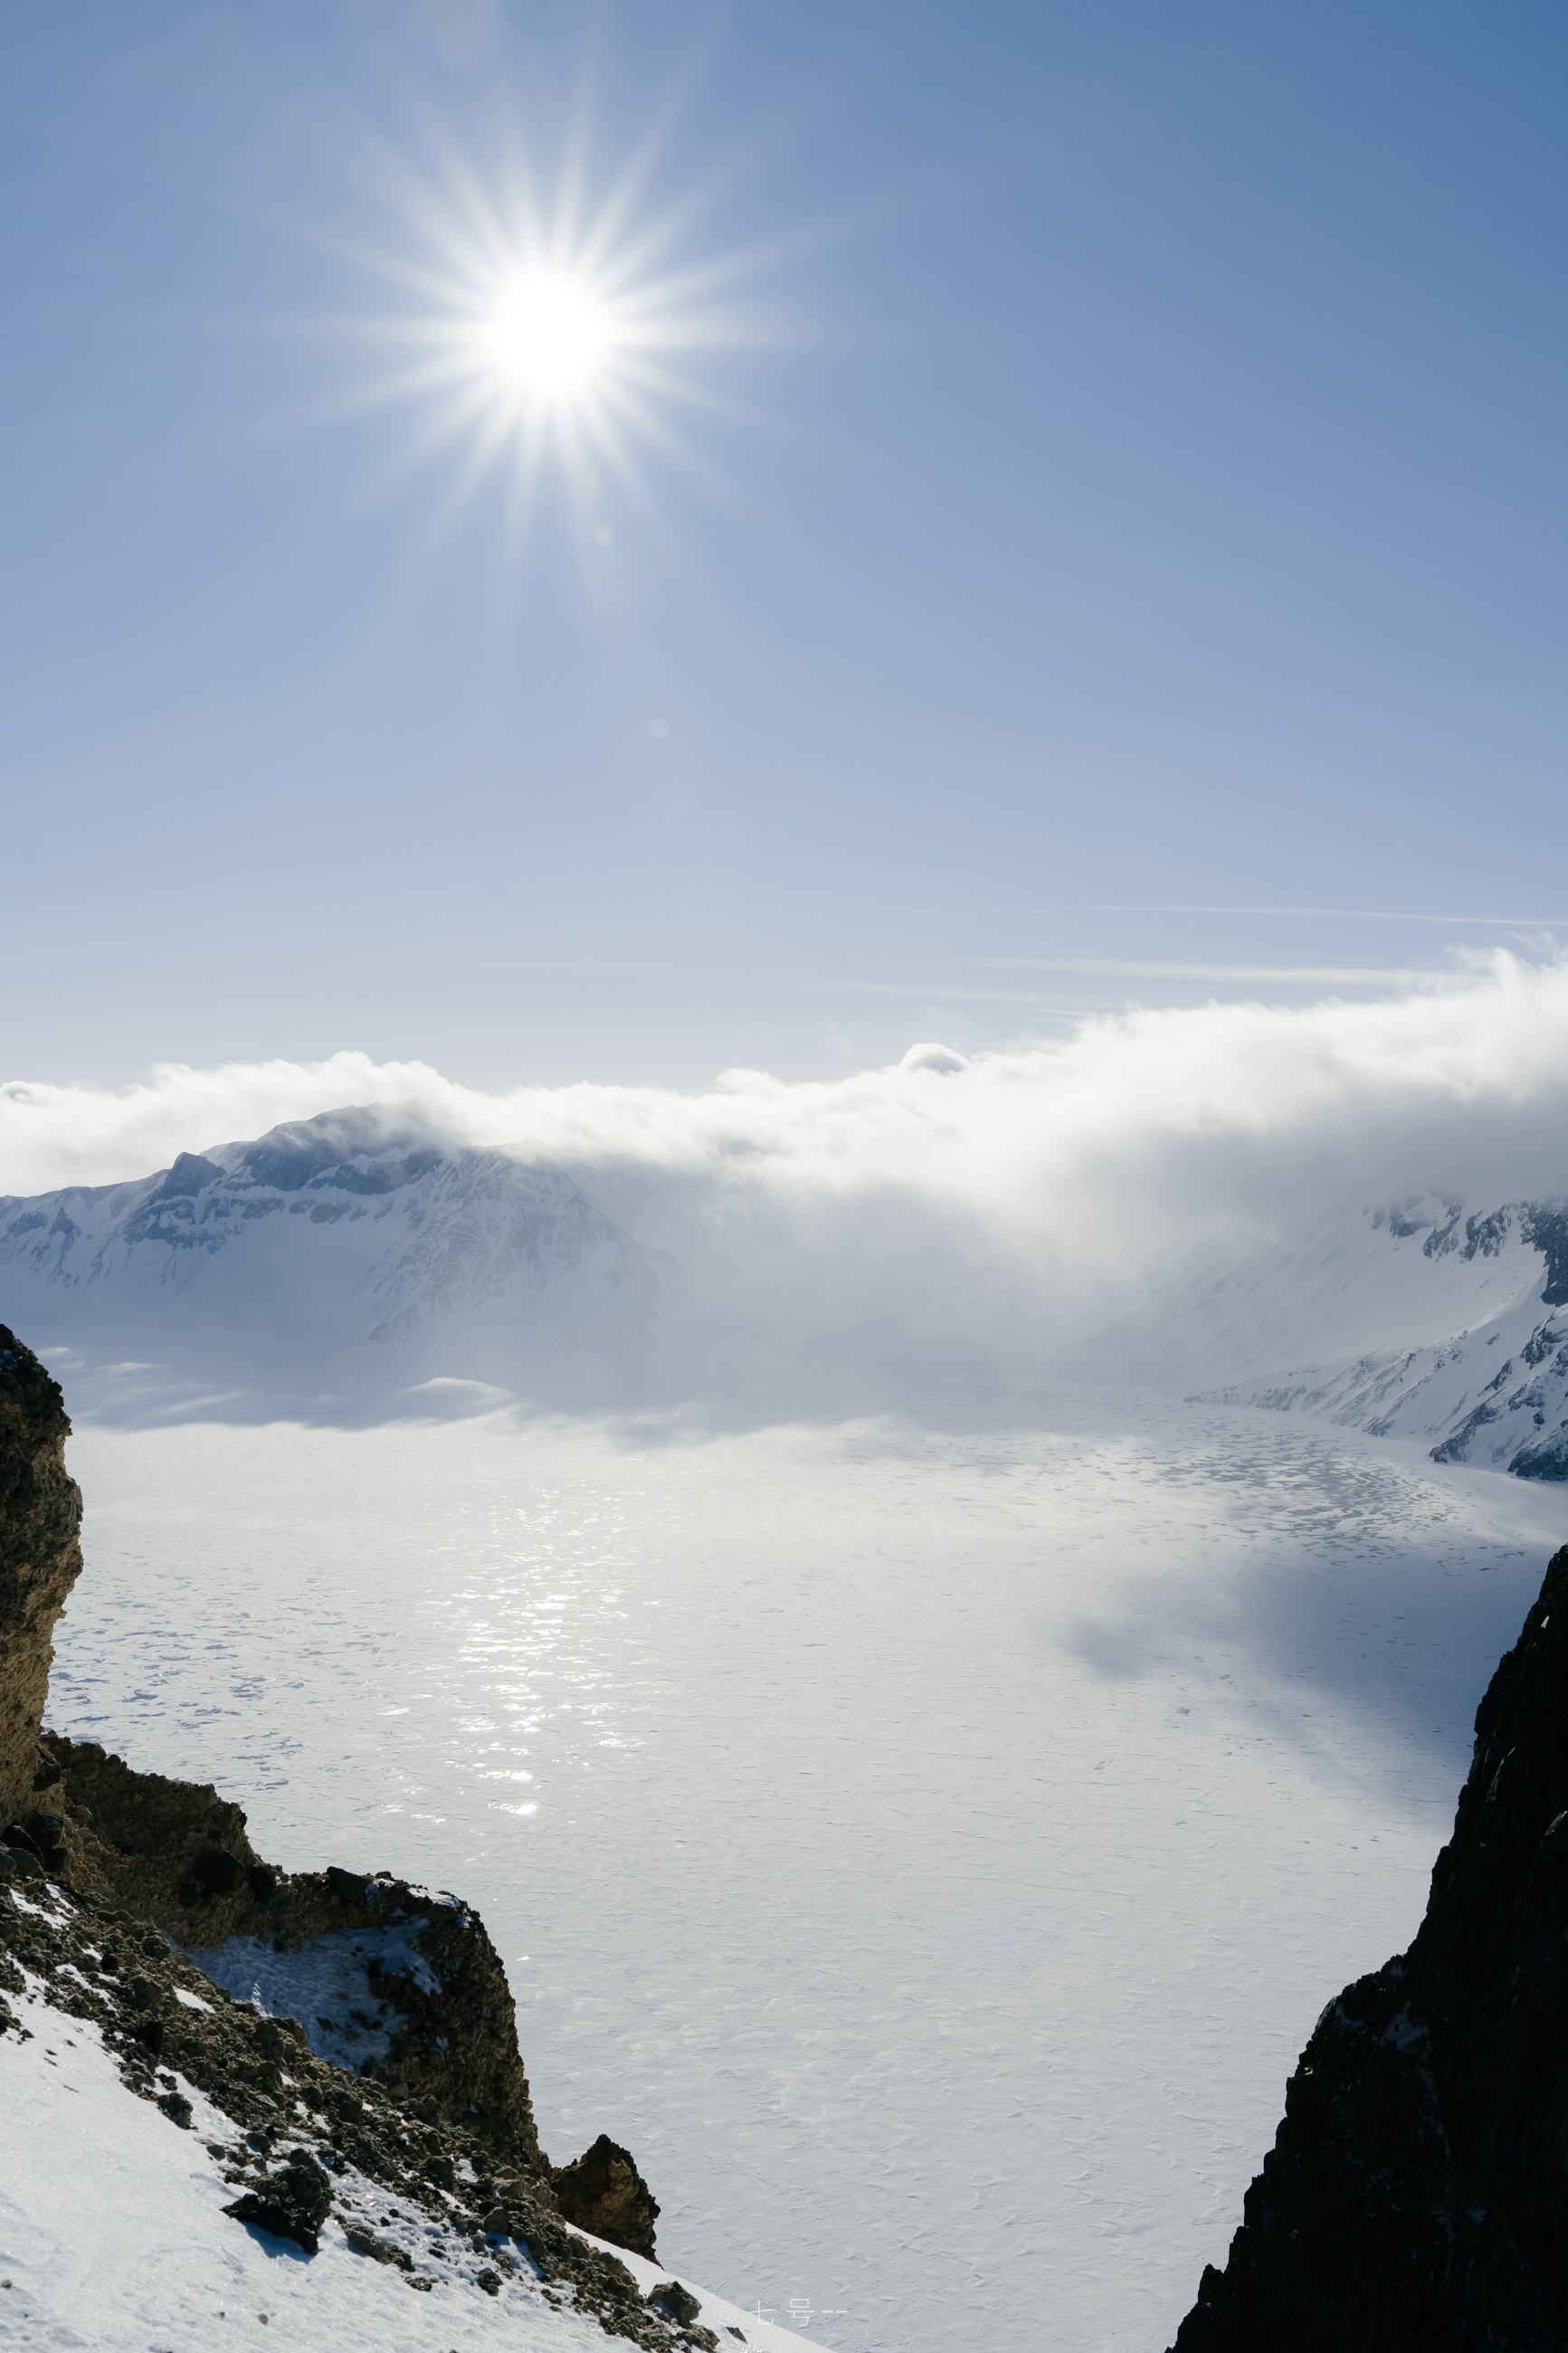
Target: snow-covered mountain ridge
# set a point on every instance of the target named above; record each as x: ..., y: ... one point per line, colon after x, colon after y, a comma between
x: 1431, y: 1319
x: 364, y: 1223
x: 1423, y: 1321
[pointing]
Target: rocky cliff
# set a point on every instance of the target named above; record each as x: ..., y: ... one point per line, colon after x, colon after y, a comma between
x: 41, y: 1559
x: 341, y: 2021
x: 1416, y: 2194
x: 175, y: 1854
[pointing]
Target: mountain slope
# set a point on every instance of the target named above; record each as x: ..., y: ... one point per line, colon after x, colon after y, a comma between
x: 1424, y: 1322
x: 367, y: 1224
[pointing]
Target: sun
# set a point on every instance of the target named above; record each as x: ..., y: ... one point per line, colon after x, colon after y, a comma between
x: 550, y: 337
x: 548, y: 326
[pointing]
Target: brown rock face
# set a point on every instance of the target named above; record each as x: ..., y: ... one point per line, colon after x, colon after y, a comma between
x: 170, y: 1851
x: 40, y: 1560
x: 601, y: 2191
x: 176, y: 1854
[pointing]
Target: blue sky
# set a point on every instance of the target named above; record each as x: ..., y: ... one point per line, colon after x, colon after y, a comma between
x: 1131, y: 483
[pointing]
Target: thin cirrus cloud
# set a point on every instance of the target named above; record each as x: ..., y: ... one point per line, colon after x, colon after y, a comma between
x: 1341, y: 915
x: 1319, y: 976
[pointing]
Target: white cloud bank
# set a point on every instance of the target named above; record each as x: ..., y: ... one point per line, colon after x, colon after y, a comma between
x: 1028, y: 1178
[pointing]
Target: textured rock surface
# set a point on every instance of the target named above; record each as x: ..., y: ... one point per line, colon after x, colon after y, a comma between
x: 1416, y: 2194
x: 177, y: 1854
x: 149, y: 1842
x: 294, y: 2205
x: 41, y: 1559
x: 603, y: 2191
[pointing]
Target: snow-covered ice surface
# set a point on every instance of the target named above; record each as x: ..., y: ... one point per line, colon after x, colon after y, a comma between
x: 112, y: 2235
x: 925, y: 1842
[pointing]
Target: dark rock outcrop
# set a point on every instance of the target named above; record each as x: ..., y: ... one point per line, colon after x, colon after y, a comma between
x: 294, y: 2206
x: 1415, y: 2199
x: 173, y: 1852
x: 677, y: 2302
x: 601, y: 2191
x: 41, y: 1559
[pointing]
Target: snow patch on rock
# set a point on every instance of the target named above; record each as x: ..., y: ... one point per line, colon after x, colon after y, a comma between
x: 327, y: 1985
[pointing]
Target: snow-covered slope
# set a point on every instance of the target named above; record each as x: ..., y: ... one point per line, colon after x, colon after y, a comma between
x: 1427, y: 1321
x: 114, y: 2233
x: 361, y: 1223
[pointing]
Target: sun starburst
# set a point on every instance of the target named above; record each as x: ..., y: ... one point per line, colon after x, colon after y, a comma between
x: 545, y: 328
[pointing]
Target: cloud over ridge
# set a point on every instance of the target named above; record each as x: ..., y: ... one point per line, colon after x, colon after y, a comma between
x: 1035, y: 1176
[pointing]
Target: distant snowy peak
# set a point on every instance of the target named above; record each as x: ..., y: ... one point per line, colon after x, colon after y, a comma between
x: 1540, y: 1225
x: 356, y: 1222
x: 1427, y: 1321
x: 483, y: 1232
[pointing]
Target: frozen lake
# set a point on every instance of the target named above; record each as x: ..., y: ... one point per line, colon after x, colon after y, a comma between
x: 926, y: 1843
